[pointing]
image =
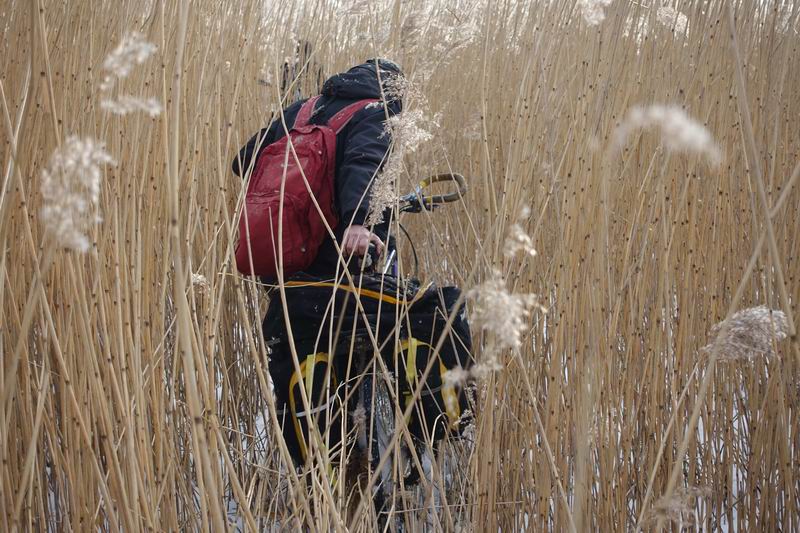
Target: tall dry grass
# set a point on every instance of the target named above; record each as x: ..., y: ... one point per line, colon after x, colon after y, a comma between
x: 135, y: 390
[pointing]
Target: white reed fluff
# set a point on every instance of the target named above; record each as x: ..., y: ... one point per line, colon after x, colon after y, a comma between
x: 407, y: 131
x: 518, y: 239
x: 71, y: 191
x: 128, y: 104
x: 673, y: 19
x: 133, y: 50
x: 593, y: 11
x: 679, y: 131
x: 749, y: 333
x: 199, y: 280
x: 501, y: 312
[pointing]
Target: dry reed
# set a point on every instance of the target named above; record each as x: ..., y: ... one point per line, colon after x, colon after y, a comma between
x: 135, y: 387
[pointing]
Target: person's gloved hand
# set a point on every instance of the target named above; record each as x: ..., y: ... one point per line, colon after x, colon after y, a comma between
x: 356, y: 241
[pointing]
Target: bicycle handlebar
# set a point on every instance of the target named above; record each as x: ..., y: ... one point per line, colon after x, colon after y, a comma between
x: 417, y: 201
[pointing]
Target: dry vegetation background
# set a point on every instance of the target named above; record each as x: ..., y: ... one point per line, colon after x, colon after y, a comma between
x: 134, y: 390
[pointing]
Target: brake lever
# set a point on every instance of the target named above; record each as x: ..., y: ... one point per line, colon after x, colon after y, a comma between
x: 413, y: 204
x: 416, y: 202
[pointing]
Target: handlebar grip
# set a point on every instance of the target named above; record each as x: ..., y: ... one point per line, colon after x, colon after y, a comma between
x: 449, y: 197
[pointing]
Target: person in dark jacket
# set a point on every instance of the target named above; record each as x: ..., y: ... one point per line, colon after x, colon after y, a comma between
x: 361, y: 149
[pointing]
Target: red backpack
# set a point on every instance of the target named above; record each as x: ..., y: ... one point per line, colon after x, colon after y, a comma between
x: 263, y: 239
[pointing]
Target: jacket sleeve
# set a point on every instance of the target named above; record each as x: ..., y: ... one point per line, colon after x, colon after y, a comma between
x: 241, y: 163
x: 365, y: 151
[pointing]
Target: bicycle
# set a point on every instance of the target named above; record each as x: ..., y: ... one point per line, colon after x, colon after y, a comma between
x: 374, y: 396
x: 358, y: 370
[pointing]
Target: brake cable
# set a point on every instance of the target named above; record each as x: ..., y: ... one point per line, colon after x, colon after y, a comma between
x: 413, y: 250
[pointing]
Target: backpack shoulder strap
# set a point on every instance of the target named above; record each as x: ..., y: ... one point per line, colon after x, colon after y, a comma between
x: 340, y: 119
x: 304, y: 115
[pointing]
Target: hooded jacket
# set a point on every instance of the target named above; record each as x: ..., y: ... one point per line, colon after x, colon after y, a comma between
x: 361, y: 146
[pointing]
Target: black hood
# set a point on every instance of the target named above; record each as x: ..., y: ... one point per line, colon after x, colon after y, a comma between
x: 361, y: 81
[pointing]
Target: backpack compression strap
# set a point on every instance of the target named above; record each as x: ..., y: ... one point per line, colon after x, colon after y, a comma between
x: 338, y: 121
x: 304, y: 115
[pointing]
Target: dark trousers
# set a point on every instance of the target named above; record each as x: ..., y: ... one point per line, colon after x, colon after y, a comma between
x: 330, y: 377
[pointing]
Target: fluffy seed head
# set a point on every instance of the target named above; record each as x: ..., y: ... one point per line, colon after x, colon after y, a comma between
x: 128, y: 104
x: 455, y: 377
x: 383, y: 193
x: 407, y: 131
x: 199, y: 281
x: 679, y: 131
x: 71, y: 191
x: 749, y: 333
x: 593, y: 11
x: 680, y: 507
x: 673, y: 19
x: 397, y: 87
x: 488, y: 365
x: 518, y: 239
x: 133, y: 50
x: 501, y: 312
